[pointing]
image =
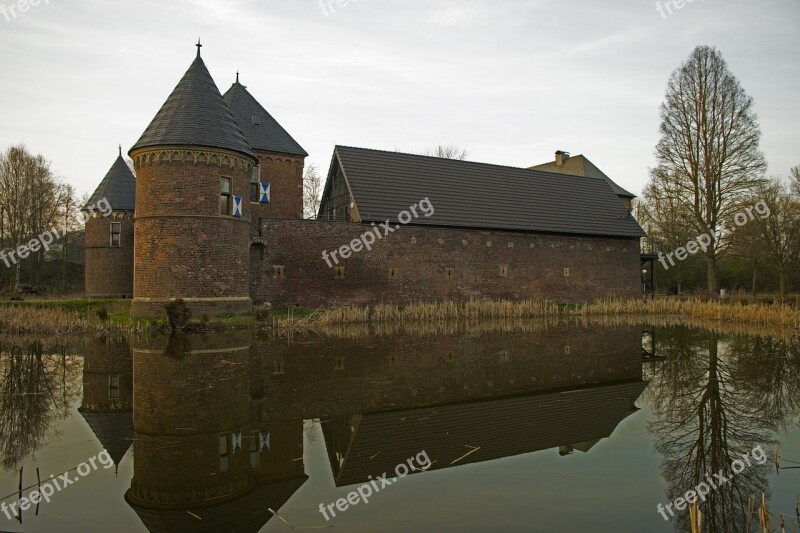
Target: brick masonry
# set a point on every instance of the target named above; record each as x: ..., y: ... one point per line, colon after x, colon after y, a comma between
x: 184, y: 247
x: 285, y: 174
x: 109, y: 269
x: 429, y: 264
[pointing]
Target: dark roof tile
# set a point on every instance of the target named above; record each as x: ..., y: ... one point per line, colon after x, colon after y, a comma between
x: 118, y: 188
x: 482, y: 196
x: 268, y: 135
x: 195, y: 115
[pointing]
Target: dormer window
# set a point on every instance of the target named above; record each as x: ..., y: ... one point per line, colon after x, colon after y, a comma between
x: 256, y: 120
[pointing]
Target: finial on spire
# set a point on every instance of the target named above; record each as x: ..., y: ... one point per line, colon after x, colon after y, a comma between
x: 120, y: 150
x: 237, y: 76
x: 199, y: 46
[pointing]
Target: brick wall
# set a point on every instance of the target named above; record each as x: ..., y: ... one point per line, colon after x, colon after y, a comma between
x: 427, y: 264
x: 404, y: 371
x: 184, y: 247
x: 109, y: 270
x: 285, y: 174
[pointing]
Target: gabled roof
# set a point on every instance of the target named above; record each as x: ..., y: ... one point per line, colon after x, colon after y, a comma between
x: 118, y: 187
x: 267, y: 134
x: 499, y: 428
x: 579, y: 165
x: 195, y: 115
x: 480, y: 196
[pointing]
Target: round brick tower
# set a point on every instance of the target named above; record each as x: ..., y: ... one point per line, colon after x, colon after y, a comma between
x: 109, y: 234
x: 192, y: 236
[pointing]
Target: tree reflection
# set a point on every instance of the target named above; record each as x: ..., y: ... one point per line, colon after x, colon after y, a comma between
x: 35, y: 390
x: 715, y: 401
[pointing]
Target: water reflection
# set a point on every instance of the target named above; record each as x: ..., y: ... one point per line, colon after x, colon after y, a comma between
x: 217, y: 424
x: 37, y: 386
x: 715, y: 401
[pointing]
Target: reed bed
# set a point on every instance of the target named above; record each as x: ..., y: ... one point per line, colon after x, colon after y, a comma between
x: 501, y: 315
x: 35, y: 321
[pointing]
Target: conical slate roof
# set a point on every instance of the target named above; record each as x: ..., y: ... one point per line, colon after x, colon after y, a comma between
x: 118, y: 188
x: 260, y: 129
x: 195, y: 115
x: 113, y: 430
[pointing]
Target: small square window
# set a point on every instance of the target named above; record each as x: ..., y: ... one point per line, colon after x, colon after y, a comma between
x: 566, y: 272
x: 503, y: 271
x: 338, y: 272
x: 116, y: 234
x: 449, y: 273
x: 393, y: 273
x: 278, y: 272
x: 339, y: 364
x: 278, y: 368
x: 256, y: 120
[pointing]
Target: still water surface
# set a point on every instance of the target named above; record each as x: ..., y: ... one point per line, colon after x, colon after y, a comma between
x: 544, y: 428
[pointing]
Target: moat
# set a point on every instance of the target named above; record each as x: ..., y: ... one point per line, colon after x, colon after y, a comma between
x: 479, y: 426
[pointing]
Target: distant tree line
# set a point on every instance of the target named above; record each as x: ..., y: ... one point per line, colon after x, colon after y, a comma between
x: 33, y: 201
x: 709, y: 172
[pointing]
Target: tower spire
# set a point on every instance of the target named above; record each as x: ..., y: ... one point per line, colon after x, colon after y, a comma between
x: 199, y: 45
x: 120, y: 150
x: 237, y: 76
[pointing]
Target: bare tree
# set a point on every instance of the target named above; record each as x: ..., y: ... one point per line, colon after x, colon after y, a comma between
x: 708, y: 154
x: 780, y: 230
x: 795, y: 176
x: 668, y: 225
x: 312, y: 192
x: 447, y: 151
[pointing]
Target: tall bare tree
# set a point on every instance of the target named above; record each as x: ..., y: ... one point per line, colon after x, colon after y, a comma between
x: 312, y: 192
x: 795, y: 177
x: 708, y: 153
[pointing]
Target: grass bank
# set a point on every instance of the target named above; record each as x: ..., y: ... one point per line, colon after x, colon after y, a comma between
x: 760, y: 314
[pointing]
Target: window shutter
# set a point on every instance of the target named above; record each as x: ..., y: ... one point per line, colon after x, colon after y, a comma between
x: 264, y: 190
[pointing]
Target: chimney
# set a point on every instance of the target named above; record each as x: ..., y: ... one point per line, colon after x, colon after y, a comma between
x: 561, y: 158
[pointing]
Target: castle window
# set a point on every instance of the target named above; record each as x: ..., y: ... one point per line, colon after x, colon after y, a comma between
x: 278, y: 272
x: 116, y: 233
x: 224, y: 454
x: 224, y: 196
x: 566, y: 272
x: 113, y: 387
x: 503, y: 271
x: 449, y: 273
x: 393, y: 273
x: 256, y: 120
x: 254, y: 179
x: 338, y: 272
x: 255, y: 459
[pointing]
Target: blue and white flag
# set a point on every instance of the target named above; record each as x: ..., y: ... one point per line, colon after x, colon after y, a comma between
x: 237, y: 442
x: 264, y: 441
x: 264, y: 191
x: 237, y: 206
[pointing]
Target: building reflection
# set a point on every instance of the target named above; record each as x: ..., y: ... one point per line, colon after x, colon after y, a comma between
x: 204, y: 460
x: 107, y: 404
x: 218, y: 421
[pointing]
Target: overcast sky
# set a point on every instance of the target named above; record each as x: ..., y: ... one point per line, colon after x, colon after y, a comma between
x: 509, y: 80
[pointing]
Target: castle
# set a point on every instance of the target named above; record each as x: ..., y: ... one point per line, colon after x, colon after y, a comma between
x: 213, y: 215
